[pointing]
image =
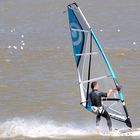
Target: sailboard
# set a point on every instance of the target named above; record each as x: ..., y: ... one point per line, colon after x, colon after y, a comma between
x: 93, y: 65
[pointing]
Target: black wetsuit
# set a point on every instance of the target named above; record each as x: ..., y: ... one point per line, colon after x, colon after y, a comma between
x: 95, y: 97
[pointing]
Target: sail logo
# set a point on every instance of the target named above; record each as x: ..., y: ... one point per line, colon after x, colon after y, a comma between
x: 77, y: 39
x: 77, y: 36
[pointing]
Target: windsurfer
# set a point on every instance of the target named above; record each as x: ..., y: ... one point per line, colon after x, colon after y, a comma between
x: 96, y: 104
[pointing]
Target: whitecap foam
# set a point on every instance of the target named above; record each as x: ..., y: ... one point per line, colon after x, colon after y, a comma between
x: 34, y: 128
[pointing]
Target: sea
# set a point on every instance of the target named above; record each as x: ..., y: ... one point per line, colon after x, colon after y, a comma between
x: 39, y: 91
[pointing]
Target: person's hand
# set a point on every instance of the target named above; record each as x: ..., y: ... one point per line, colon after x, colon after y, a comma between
x: 110, y: 90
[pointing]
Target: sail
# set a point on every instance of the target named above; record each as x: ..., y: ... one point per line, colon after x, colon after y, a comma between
x: 93, y: 65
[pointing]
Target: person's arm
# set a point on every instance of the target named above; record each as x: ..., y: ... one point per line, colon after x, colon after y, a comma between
x: 103, y: 94
x: 106, y: 94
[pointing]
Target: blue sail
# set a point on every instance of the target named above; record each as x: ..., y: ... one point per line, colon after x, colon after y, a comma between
x: 77, y: 37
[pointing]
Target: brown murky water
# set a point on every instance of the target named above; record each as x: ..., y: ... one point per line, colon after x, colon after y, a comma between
x: 39, y: 95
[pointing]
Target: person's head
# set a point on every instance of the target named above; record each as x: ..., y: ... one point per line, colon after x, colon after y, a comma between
x: 94, y: 85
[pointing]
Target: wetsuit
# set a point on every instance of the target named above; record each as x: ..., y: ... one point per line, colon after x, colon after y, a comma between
x: 95, y: 97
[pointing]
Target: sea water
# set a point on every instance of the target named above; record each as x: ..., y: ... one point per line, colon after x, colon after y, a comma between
x: 39, y: 93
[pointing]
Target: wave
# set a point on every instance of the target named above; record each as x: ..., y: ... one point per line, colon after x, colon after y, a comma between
x: 18, y: 127
x: 33, y: 128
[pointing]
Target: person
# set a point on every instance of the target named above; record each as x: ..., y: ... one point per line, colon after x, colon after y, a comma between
x: 96, y: 104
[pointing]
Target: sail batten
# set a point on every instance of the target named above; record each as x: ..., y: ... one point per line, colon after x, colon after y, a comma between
x: 95, y: 79
x: 92, y: 53
x: 93, y: 65
x: 78, y: 30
